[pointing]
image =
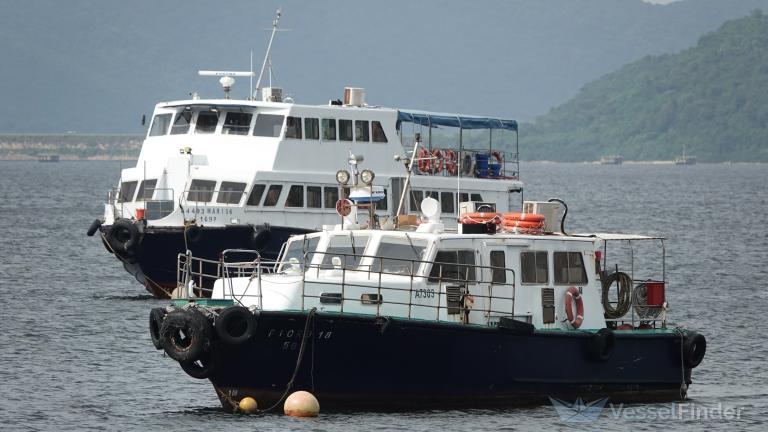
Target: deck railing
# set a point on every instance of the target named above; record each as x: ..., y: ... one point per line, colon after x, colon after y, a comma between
x: 377, y: 277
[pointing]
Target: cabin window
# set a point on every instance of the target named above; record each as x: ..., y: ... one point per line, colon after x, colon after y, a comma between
x: 399, y: 256
x: 295, y: 196
x: 268, y: 125
x: 160, y: 125
x: 293, y: 127
x: 146, y: 190
x: 230, y: 192
x: 314, y: 197
x: 378, y: 132
x: 382, y: 204
x: 206, y: 122
x: 348, y: 248
x: 273, y: 195
x: 127, y: 190
x: 182, y: 122
x: 296, y: 250
x: 463, y: 197
x: 534, y: 267
x: 311, y: 128
x: 446, y: 202
x: 237, y: 123
x: 569, y: 268
x: 345, y: 130
x: 477, y: 197
x: 498, y: 267
x: 256, y: 193
x: 329, y: 129
x: 416, y: 198
x: 330, y: 197
x: 453, y: 266
x: 201, y: 190
x: 361, y: 131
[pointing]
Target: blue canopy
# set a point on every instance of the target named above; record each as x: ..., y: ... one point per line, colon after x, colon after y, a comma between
x: 455, y: 120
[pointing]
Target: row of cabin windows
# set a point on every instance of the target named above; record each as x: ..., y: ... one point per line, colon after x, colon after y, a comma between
x: 231, y: 193
x: 270, y: 125
x: 568, y: 266
x: 316, y: 196
x: 459, y: 266
x: 446, y: 199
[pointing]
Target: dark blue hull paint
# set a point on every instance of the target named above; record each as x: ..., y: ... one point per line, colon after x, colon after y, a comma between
x: 369, y: 362
x: 154, y: 263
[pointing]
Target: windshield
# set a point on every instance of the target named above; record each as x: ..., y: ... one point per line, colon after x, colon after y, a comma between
x: 295, y: 251
x: 348, y: 248
x: 399, y: 255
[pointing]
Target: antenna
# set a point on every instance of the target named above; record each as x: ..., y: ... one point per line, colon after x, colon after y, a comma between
x: 275, y: 23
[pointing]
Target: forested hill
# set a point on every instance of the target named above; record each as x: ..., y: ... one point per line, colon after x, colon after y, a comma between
x: 711, y: 98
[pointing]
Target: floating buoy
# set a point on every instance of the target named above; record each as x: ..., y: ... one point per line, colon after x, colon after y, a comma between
x: 301, y: 404
x: 247, y: 405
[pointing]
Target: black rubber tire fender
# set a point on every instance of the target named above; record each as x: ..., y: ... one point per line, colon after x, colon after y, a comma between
x: 235, y: 325
x: 94, y: 227
x: 123, y: 236
x: 202, y: 368
x: 186, y: 334
x: 156, y: 317
x: 602, y: 344
x: 694, y: 348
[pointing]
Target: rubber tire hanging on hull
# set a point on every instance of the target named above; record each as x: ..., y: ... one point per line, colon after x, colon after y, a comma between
x: 601, y: 345
x: 186, y: 334
x: 694, y: 348
x: 123, y: 237
x: 94, y: 227
x: 156, y: 317
x: 201, y: 368
x: 235, y: 325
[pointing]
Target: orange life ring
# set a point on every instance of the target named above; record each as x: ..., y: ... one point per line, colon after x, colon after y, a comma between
x: 423, y: 160
x: 479, y: 218
x: 574, y: 294
x: 533, y: 217
x: 523, y: 224
x: 437, y: 161
x: 451, y: 164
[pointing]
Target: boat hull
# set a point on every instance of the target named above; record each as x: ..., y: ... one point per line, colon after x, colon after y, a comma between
x: 154, y: 257
x: 381, y: 363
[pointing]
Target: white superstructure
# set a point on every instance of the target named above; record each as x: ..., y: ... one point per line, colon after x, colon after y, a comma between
x: 217, y: 162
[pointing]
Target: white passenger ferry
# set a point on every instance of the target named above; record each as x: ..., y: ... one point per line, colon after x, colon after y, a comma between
x: 217, y: 174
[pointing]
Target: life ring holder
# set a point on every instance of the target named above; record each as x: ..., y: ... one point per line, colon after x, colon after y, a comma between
x: 574, y: 294
x: 451, y: 162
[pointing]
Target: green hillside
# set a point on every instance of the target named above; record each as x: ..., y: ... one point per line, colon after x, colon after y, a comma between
x: 712, y: 98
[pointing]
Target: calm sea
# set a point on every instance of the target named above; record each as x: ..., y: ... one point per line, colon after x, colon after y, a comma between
x: 75, y: 353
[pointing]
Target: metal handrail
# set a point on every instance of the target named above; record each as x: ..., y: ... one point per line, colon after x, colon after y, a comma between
x: 253, y: 269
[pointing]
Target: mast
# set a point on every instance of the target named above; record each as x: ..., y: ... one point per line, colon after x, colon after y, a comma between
x: 267, y: 60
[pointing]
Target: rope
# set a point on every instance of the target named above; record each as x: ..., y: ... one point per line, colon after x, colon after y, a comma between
x: 683, y: 385
x: 305, y: 336
x: 624, y: 288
